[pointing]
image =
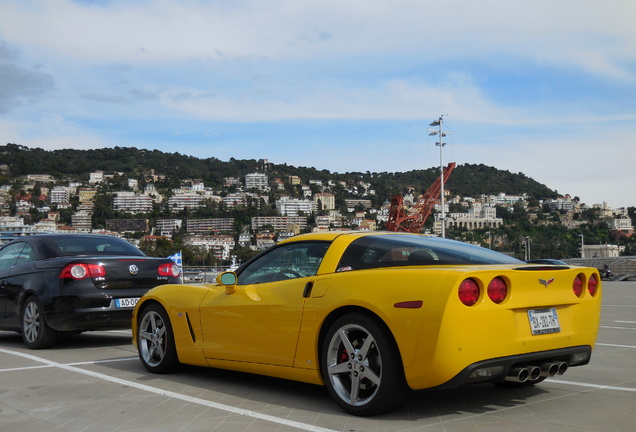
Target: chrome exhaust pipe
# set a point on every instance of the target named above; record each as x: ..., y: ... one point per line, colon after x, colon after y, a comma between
x: 563, y: 366
x: 518, y: 375
x: 549, y: 369
x: 534, y: 373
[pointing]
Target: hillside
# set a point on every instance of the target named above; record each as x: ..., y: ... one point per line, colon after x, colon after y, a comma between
x: 466, y: 180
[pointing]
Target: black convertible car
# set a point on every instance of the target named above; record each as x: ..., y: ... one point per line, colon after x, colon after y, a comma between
x: 55, y: 283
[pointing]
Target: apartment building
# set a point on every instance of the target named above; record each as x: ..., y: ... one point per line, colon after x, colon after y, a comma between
x: 82, y: 220
x: 182, y: 200
x: 60, y: 196
x: 325, y: 201
x: 166, y: 227
x: 86, y: 194
x: 210, y: 225
x: 256, y: 181
x: 279, y: 223
x: 293, y: 207
x: 130, y: 202
x: 220, y: 245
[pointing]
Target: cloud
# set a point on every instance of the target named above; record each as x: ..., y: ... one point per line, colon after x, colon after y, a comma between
x: 341, y: 85
x: 19, y: 85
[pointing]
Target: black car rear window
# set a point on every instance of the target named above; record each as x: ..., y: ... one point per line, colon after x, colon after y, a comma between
x: 71, y: 246
x: 393, y: 250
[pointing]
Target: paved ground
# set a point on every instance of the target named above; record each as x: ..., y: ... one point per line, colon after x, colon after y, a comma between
x: 95, y: 382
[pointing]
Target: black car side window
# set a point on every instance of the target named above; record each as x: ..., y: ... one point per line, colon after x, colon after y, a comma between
x: 9, y: 255
x: 27, y: 255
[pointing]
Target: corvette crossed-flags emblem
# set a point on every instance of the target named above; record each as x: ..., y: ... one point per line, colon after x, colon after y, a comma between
x: 545, y: 282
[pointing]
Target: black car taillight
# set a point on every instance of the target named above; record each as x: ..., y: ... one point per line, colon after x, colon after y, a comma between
x: 169, y: 269
x: 80, y: 271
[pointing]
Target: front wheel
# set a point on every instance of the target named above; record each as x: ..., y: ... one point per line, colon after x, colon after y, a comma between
x: 361, y: 366
x: 36, y: 333
x: 155, y: 340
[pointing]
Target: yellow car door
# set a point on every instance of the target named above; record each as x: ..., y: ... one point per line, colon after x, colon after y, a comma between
x: 259, y: 322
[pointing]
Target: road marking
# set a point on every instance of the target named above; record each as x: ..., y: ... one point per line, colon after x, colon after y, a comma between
x: 626, y: 322
x: 616, y: 345
x: 596, y: 386
x: 170, y: 394
x: 618, y: 328
x: 71, y: 364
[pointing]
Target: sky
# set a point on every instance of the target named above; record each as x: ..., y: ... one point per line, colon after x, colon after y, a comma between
x: 545, y: 88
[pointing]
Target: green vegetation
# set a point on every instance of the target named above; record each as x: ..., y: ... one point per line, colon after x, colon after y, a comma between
x: 546, y: 231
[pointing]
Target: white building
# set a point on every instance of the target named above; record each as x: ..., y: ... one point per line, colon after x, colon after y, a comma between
x: 96, y: 177
x: 60, y: 195
x: 256, y: 181
x: 621, y: 224
x: 166, y: 227
x: 179, y: 201
x: 221, y: 245
x: 82, y: 220
x: 293, y: 207
x: 130, y: 202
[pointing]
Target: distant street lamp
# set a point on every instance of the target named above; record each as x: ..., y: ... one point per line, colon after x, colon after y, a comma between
x: 527, y: 248
x: 441, y: 145
x: 489, y: 240
x: 582, y: 253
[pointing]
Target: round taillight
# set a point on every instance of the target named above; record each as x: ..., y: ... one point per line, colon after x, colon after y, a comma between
x: 78, y: 271
x: 468, y: 292
x: 169, y: 269
x: 592, y: 285
x: 497, y: 290
x: 577, y: 286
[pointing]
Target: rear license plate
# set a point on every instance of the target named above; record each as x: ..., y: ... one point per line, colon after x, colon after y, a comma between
x: 544, y: 321
x: 126, y: 302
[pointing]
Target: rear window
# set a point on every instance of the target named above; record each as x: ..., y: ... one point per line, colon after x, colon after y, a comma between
x: 71, y: 246
x: 393, y: 250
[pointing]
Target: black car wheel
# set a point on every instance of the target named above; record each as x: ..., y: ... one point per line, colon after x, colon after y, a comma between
x: 35, y: 331
x: 155, y: 340
x: 361, y: 366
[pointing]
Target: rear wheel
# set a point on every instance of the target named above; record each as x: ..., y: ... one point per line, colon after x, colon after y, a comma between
x: 155, y: 340
x: 361, y: 366
x: 35, y: 331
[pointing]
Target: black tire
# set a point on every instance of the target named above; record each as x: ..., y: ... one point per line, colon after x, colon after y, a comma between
x: 36, y: 333
x: 361, y: 366
x: 155, y: 340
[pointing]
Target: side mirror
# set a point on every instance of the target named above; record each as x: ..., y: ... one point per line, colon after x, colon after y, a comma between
x: 228, y: 279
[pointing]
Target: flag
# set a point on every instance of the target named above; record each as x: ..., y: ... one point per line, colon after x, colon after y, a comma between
x: 177, y: 259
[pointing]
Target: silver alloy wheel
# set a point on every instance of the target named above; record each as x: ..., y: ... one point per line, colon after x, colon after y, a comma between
x: 153, y: 341
x: 31, y: 322
x: 354, y: 365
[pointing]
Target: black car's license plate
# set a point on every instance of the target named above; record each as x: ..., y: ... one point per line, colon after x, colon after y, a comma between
x: 126, y: 302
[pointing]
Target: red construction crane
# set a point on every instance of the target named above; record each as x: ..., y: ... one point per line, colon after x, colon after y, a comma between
x: 413, y: 220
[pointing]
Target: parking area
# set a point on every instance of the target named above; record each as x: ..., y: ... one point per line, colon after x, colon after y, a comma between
x: 94, y: 382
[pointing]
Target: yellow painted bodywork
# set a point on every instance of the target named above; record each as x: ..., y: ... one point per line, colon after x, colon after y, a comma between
x: 271, y: 329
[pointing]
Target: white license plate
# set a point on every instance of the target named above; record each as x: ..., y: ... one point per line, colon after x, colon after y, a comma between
x: 544, y: 321
x: 126, y: 302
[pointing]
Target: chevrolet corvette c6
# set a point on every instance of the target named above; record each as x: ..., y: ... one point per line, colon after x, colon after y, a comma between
x: 370, y: 315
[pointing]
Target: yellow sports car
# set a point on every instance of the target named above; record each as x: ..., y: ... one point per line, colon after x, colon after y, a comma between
x: 372, y: 314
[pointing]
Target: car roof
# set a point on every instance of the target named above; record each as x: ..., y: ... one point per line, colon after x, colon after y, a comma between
x: 332, y: 235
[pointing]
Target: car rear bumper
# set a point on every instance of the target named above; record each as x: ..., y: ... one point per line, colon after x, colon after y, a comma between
x: 84, y: 319
x: 498, y: 369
